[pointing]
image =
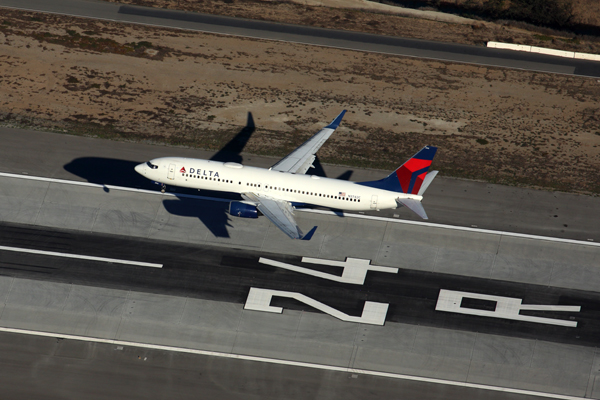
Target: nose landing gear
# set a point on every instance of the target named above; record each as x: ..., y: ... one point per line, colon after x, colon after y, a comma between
x: 163, y: 188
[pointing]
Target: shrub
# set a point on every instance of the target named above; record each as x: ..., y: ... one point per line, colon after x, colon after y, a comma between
x: 555, y: 13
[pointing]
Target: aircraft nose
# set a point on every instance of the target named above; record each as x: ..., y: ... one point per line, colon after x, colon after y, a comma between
x: 141, y: 169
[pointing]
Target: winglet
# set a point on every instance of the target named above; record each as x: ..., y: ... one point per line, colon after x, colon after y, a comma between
x: 336, y: 122
x: 309, y: 235
x: 427, y: 181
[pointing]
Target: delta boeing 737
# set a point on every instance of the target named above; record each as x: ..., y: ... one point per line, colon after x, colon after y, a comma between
x: 277, y: 191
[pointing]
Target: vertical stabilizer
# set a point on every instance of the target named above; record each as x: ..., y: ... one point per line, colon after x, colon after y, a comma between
x: 410, y: 177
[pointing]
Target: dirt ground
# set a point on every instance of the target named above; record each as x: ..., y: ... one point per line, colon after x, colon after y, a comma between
x: 139, y: 83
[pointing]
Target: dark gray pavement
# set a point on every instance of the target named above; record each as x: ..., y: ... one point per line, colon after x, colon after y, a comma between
x: 49, y: 368
x: 191, y: 302
x: 314, y: 36
x: 223, y: 275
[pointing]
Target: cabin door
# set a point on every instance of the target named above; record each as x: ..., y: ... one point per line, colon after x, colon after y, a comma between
x: 171, y: 174
x: 374, y: 202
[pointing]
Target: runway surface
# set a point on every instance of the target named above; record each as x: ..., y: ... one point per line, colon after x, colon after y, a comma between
x: 218, y: 274
x: 313, y: 36
x: 447, y: 201
x: 197, y: 299
x: 137, y: 373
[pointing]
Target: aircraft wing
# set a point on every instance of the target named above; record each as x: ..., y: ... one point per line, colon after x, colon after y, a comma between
x: 280, y: 213
x: 301, y: 159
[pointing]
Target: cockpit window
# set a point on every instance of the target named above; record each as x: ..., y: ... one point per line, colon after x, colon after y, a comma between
x: 148, y: 163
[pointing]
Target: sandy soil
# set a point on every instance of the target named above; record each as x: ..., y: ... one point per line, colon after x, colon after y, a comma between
x: 139, y: 83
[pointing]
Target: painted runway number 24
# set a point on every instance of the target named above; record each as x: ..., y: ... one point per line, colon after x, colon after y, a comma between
x: 355, y: 271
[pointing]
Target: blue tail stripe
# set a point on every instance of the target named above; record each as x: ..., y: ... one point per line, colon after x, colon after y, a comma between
x: 426, y: 153
x: 413, y: 178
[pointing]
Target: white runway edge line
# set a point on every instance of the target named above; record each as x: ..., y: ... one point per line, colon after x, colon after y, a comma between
x: 292, y: 363
x: 458, y: 228
x: 324, y: 212
x: 79, y: 256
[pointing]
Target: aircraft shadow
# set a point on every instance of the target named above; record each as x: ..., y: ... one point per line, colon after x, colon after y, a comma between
x: 231, y: 152
x: 319, y: 171
x: 109, y: 171
x: 213, y: 214
x: 116, y: 172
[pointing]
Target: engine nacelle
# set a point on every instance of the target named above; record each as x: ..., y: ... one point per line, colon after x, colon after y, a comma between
x: 243, y: 210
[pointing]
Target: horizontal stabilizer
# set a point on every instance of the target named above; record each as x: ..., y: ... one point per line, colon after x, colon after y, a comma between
x: 414, y: 205
x: 427, y: 181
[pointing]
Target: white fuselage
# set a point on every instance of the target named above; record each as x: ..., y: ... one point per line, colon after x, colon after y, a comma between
x: 233, y: 177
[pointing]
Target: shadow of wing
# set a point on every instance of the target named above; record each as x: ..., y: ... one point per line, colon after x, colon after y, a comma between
x: 213, y: 214
x: 231, y: 152
x: 345, y: 176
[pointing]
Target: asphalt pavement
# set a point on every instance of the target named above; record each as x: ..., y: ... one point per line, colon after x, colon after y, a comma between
x: 43, y: 367
x: 449, y: 201
x: 223, y: 275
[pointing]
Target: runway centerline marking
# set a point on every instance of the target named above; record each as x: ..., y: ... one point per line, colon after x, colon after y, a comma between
x: 79, y: 256
x: 293, y: 363
x: 324, y: 212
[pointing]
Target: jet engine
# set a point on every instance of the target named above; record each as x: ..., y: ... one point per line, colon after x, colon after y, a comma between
x: 243, y: 210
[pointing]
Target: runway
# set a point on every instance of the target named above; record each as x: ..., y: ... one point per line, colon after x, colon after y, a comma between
x: 448, y: 201
x: 138, y: 373
x: 312, y: 36
x: 197, y: 299
x: 217, y: 274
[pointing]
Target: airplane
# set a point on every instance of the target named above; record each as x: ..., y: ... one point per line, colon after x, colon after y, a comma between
x: 277, y: 191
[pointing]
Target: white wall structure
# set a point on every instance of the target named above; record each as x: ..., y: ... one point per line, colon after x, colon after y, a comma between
x: 543, y: 50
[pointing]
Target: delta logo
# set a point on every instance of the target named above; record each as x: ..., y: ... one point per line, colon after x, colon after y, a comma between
x: 182, y: 170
